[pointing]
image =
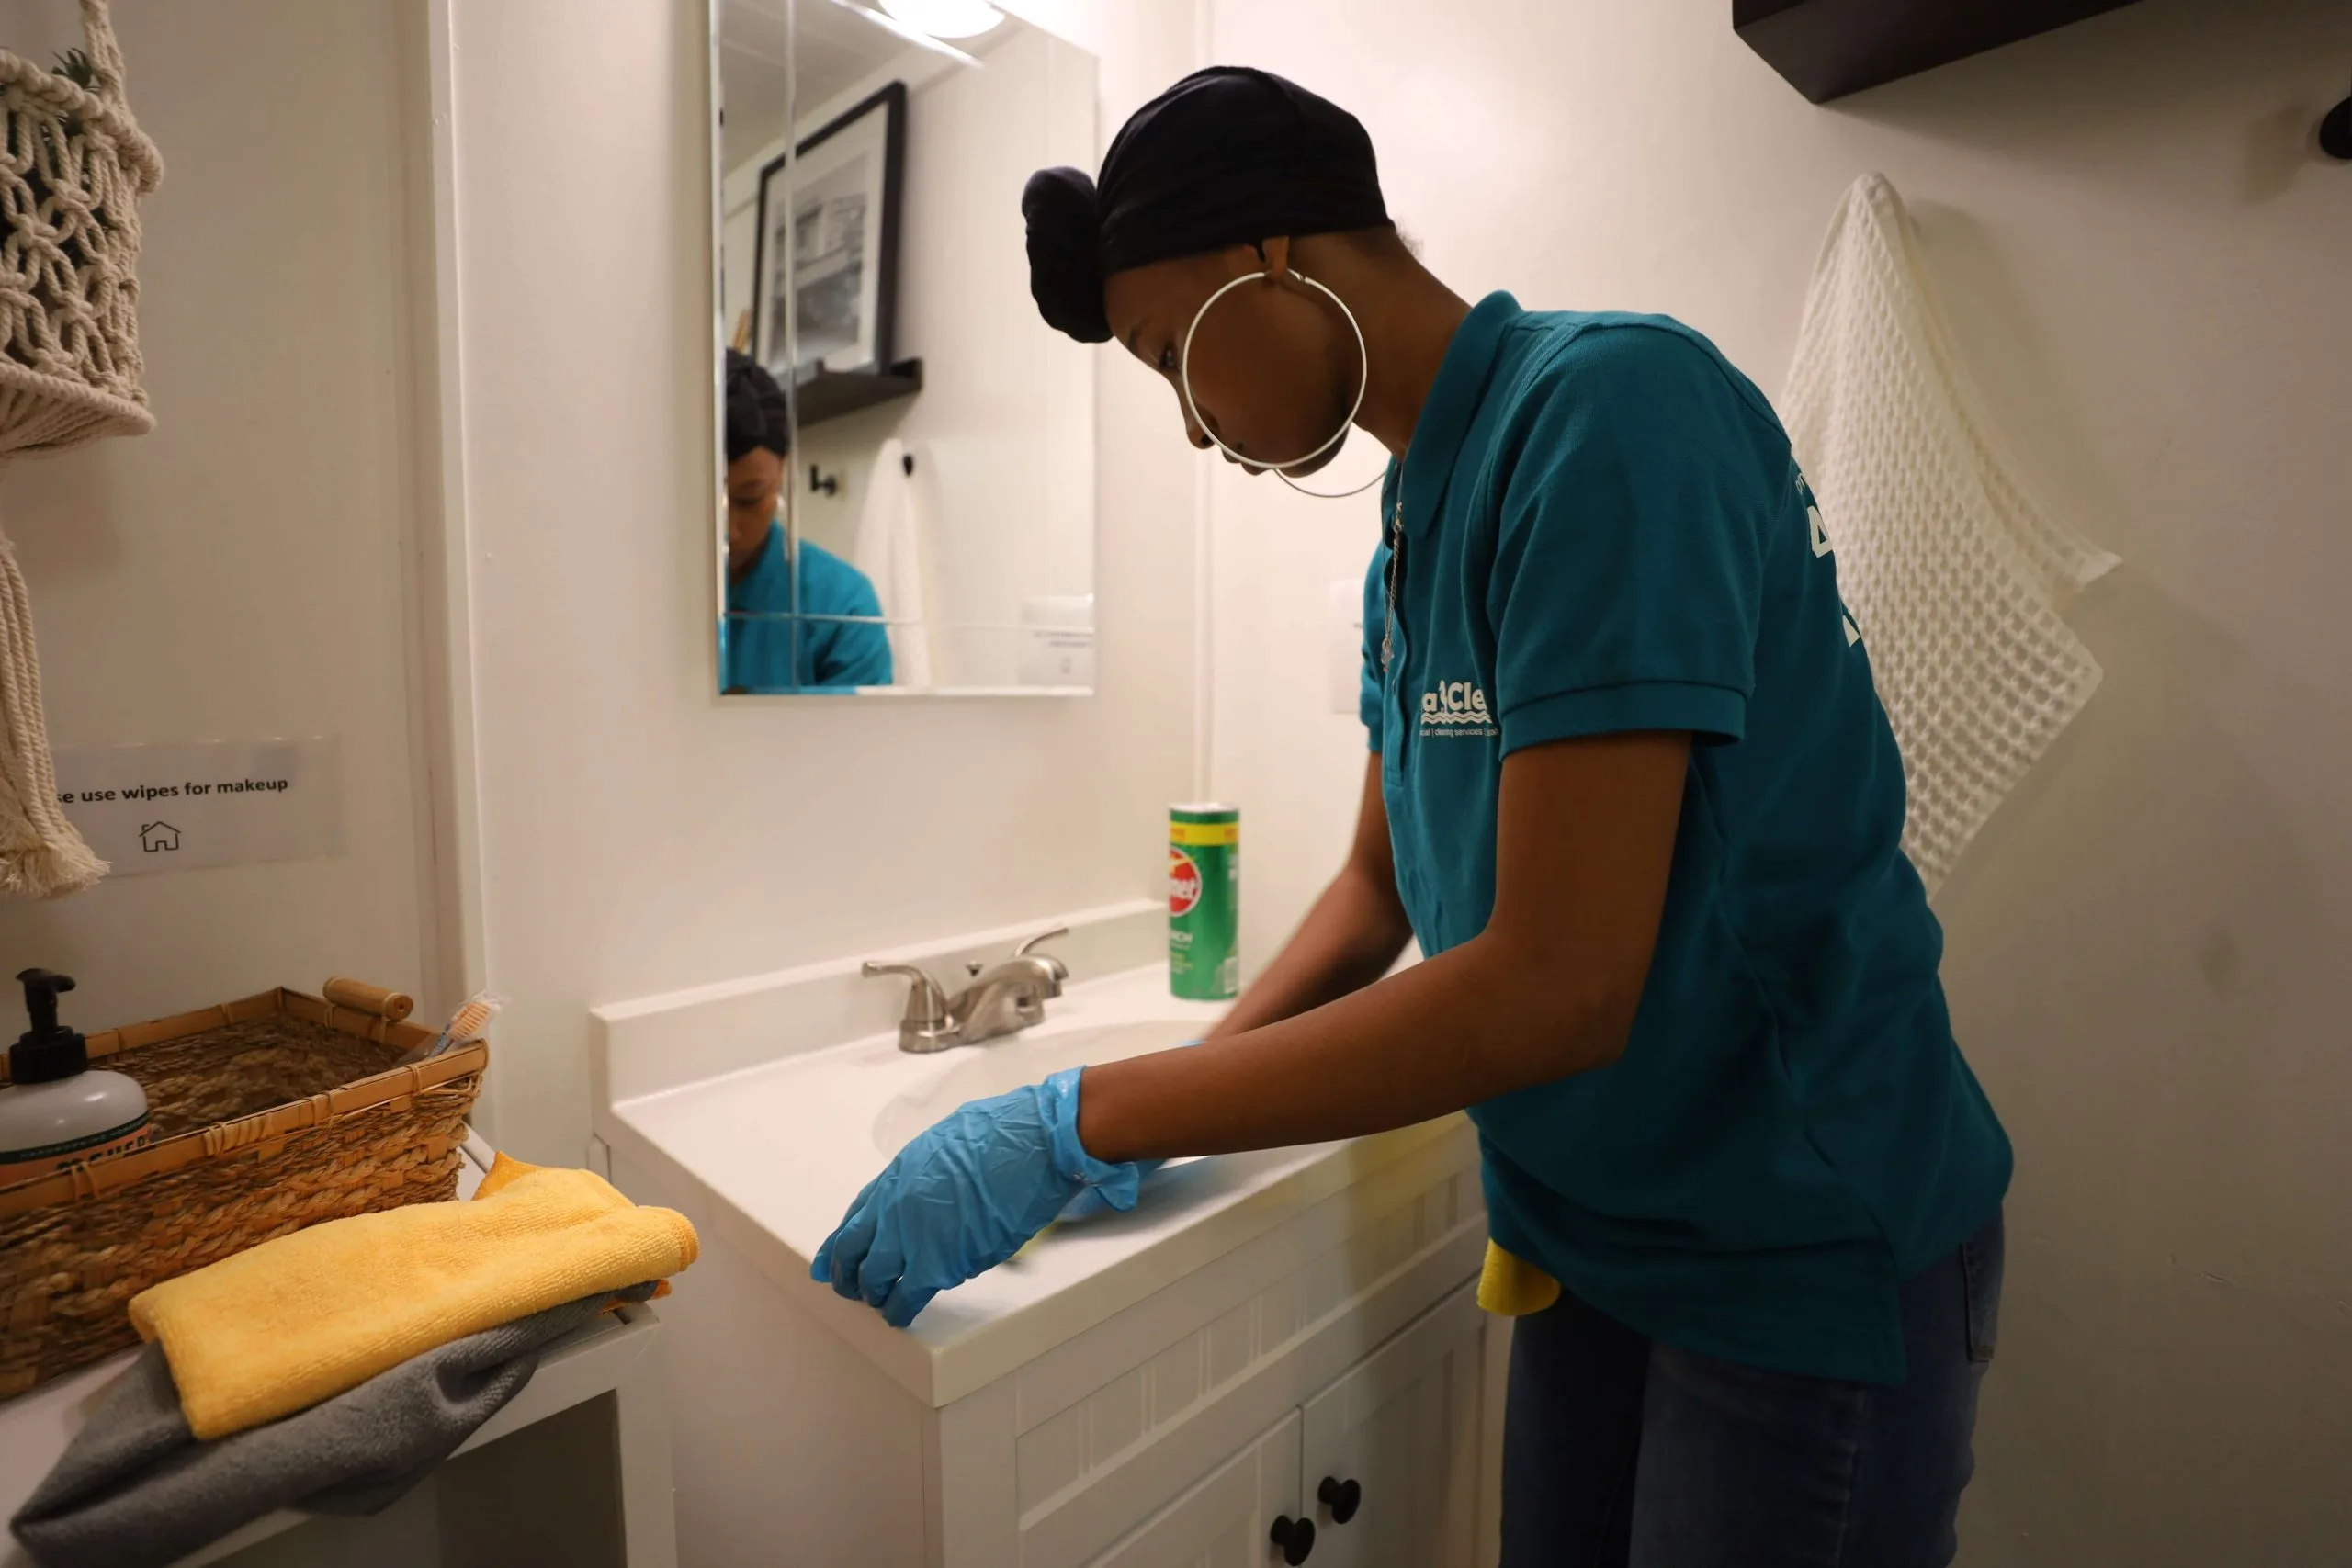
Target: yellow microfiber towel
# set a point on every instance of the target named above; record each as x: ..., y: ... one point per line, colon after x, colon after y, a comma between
x: 278, y: 1327
x: 1510, y: 1286
x: 504, y: 1171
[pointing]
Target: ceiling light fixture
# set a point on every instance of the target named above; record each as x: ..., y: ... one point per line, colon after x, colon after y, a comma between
x: 945, y: 18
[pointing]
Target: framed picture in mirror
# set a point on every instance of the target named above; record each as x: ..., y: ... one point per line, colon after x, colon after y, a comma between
x: 828, y: 245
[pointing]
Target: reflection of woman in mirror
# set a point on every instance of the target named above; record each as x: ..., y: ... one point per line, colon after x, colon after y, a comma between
x: 1630, y: 786
x: 761, y: 646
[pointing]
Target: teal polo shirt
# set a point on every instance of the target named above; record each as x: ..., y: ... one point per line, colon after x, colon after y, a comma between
x: 1599, y: 527
x: 764, y: 648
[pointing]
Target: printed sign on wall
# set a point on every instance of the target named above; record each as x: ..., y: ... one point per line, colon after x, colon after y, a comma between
x: 147, y: 808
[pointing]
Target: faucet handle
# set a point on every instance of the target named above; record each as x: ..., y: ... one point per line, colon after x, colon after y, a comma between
x: 1022, y: 951
x: 1028, y: 950
x: 926, y: 1003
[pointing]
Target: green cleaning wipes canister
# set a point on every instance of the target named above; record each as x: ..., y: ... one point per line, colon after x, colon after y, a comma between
x: 1205, y: 902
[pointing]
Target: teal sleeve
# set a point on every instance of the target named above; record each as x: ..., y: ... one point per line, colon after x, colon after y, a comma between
x: 1628, y: 574
x: 1376, y: 626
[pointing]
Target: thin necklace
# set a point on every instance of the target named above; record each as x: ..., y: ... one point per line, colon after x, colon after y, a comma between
x: 1395, y: 549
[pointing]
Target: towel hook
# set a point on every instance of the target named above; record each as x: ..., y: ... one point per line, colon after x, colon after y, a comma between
x: 827, y: 484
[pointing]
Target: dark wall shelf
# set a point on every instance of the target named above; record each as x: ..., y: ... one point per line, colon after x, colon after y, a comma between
x: 1829, y: 48
x: 832, y: 393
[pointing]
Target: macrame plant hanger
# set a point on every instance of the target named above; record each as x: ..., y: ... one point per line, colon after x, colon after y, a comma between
x: 74, y: 165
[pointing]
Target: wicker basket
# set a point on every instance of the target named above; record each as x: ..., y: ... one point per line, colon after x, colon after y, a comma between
x: 270, y: 1114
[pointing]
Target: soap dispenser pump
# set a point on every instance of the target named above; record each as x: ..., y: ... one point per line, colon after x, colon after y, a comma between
x: 55, y: 1111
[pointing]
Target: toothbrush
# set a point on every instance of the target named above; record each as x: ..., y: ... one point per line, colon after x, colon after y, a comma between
x: 469, y: 1022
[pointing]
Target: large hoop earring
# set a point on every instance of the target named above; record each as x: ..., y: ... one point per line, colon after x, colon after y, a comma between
x: 1363, y: 380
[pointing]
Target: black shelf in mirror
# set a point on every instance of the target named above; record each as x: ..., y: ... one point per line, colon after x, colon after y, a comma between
x: 1829, y: 48
x: 829, y: 394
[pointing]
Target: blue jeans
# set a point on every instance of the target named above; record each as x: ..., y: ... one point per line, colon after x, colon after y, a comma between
x: 1619, y: 1452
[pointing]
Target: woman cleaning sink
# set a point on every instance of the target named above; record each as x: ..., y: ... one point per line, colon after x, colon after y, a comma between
x: 1632, y: 789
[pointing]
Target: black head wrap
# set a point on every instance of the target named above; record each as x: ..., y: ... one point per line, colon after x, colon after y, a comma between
x: 1228, y: 156
x: 757, y: 415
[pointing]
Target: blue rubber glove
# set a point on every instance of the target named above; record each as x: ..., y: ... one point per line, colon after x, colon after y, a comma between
x: 965, y: 1195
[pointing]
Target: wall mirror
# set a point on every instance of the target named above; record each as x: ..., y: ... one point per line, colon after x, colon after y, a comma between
x: 906, y: 480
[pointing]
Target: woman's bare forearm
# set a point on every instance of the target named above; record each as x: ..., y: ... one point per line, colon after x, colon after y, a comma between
x: 1350, y: 938
x: 1463, y: 1028
x: 1585, y: 837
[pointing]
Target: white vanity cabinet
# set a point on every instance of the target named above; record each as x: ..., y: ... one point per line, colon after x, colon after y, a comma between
x: 1342, y: 1342
x: 1382, y: 1469
x: 1394, y: 1445
x: 1221, y: 1521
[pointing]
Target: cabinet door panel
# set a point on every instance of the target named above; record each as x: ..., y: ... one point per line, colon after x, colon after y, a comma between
x: 1403, y: 1426
x: 1222, y: 1522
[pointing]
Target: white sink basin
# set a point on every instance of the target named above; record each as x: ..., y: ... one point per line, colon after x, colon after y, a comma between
x: 975, y: 1072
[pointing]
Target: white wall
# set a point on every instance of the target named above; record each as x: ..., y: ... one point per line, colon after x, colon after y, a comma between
x: 2144, y: 261
x: 239, y: 572
x: 635, y: 833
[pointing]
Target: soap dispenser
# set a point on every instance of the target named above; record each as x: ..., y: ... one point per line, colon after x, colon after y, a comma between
x: 56, y: 1112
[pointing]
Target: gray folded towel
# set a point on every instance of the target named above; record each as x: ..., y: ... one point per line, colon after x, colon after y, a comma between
x: 134, y: 1489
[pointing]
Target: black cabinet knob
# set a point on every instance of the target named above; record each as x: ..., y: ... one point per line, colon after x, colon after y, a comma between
x: 1342, y: 1497
x: 1296, y: 1536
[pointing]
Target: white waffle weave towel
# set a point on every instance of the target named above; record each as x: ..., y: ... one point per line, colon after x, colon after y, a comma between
x: 1955, y: 574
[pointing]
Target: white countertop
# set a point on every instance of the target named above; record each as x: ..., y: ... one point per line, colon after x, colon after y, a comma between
x: 775, y: 1152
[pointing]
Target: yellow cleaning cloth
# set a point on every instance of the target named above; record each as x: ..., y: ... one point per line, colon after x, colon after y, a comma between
x: 1510, y: 1286
x: 278, y: 1327
x: 504, y: 1171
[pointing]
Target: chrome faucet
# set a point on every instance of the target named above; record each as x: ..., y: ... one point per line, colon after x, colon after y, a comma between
x: 1003, y: 999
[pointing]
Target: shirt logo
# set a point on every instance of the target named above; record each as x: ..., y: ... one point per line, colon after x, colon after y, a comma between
x: 1819, y: 537
x: 1456, y: 707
